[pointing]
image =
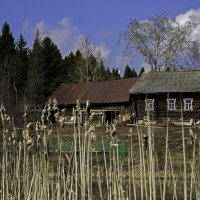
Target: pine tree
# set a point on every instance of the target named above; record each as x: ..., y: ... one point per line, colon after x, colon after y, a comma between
x: 129, y: 73
x: 103, y: 76
x: 141, y: 71
x: 74, y: 68
x: 70, y: 69
x: 108, y: 74
x: 7, y: 46
x: 115, y: 74
x: 52, y: 60
x: 21, y: 66
x: 7, y: 66
x: 36, y: 75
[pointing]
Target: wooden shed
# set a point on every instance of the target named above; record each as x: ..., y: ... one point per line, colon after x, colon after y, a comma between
x: 109, y: 100
x: 164, y: 94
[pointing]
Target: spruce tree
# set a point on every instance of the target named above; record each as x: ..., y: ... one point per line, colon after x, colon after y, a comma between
x: 141, y: 71
x: 7, y: 67
x: 129, y: 73
x: 7, y: 45
x: 21, y: 66
x: 36, y: 75
x: 70, y: 69
x: 52, y: 59
x: 103, y: 76
x: 115, y: 74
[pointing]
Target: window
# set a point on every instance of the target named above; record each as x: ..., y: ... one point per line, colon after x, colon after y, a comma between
x: 171, y: 104
x: 149, y: 104
x: 188, y: 104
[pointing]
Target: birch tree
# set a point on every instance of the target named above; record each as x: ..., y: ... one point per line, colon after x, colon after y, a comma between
x: 163, y: 43
x: 91, y: 66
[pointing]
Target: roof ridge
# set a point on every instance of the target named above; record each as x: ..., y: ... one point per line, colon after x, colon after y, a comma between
x: 164, y: 82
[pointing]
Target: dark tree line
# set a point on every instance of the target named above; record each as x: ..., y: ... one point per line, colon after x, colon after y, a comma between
x: 29, y: 75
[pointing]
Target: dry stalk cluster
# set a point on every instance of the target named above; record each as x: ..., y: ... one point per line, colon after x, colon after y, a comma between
x: 30, y: 171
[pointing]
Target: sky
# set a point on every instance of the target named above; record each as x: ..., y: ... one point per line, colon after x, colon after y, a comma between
x: 66, y: 21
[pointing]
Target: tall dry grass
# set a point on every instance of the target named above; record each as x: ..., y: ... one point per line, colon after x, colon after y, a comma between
x: 30, y: 171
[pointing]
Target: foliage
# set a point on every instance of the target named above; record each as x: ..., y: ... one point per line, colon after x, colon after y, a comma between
x: 52, y: 60
x: 70, y: 66
x: 7, y: 66
x: 7, y: 46
x: 141, y: 71
x: 91, y: 66
x: 129, y: 73
x: 162, y: 42
x: 22, y: 53
x: 115, y: 75
x: 36, y: 74
x: 31, y: 74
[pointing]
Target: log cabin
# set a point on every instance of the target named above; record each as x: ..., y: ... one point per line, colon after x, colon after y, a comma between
x: 167, y: 95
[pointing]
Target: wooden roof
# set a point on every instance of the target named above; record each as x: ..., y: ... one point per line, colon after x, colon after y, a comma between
x: 164, y: 82
x: 115, y: 91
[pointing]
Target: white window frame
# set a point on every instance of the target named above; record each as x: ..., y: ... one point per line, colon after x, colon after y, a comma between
x: 188, y: 105
x: 171, y: 106
x: 149, y: 104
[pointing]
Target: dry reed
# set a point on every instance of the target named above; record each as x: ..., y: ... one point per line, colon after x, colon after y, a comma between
x: 30, y: 171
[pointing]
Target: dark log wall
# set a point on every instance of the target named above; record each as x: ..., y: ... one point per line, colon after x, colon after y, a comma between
x: 141, y: 112
x: 160, y: 106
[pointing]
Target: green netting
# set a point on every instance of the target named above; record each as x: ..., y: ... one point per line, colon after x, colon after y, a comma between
x: 107, y: 146
x: 119, y: 146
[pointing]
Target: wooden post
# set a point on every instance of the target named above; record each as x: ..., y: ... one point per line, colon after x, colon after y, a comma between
x: 186, y: 139
x: 145, y: 140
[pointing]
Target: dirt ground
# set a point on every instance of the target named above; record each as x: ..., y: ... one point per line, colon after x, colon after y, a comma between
x: 124, y: 132
x: 132, y: 132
